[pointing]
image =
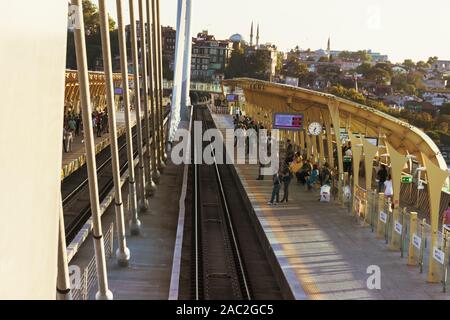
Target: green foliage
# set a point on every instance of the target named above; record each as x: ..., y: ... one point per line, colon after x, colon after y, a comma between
x: 349, y: 94
x: 93, y: 38
x: 294, y: 68
x: 409, y: 63
x: 254, y: 65
x: 359, y: 56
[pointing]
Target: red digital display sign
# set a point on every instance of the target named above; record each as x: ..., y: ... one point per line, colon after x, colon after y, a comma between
x: 285, y: 121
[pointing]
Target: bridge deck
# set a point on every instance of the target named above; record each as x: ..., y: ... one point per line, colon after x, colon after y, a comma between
x: 149, y: 273
x: 323, y: 251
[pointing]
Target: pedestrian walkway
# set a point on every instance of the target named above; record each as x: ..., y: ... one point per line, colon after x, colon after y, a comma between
x: 323, y: 251
x: 149, y: 273
x: 72, y: 161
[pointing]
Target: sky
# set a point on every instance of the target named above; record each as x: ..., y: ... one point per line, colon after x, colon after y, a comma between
x: 403, y: 29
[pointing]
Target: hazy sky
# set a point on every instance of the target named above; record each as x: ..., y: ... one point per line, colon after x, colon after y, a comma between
x: 402, y: 29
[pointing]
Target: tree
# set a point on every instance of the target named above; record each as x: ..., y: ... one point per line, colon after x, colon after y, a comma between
x: 236, y: 65
x: 294, y: 68
x: 91, y: 18
x: 432, y: 60
x: 409, y: 64
x: 364, y: 69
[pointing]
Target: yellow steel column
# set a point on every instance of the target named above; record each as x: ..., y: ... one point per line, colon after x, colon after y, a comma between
x: 412, y: 232
x: 321, y: 150
x: 381, y: 209
x: 302, y: 141
x: 370, y: 152
x: 436, y: 178
x: 330, y: 157
x: 398, y: 162
x: 357, y: 154
x: 314, y: 148
x: 333, y: 107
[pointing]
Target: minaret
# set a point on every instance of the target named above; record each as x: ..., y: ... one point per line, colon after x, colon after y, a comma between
x: 257, y: 37
x: 251, y: 36
x: 329, y: 48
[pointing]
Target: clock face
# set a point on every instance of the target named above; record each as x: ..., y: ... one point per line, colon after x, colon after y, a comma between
x: 315, y: 128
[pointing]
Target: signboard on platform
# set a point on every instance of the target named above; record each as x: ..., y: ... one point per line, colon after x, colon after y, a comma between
x: 383, y: 217
x: 232, y: 98
x: 407, y: 180
x: 398, y: 227
x: 438, y: 255
x: 291, y: 81
x: 417, y: 241
x: 286, y: 121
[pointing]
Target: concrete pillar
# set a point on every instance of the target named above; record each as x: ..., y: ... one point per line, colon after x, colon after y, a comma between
x: 142, y: 178
x: 80, y: 46
x: 123, y: 253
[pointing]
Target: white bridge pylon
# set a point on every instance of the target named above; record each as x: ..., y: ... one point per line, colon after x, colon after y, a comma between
x: 182, y: 72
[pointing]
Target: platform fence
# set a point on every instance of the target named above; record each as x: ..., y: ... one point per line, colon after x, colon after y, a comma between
x: 88, y: 280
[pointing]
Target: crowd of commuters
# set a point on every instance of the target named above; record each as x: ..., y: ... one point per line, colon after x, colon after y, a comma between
x: 73, y: 127
x: 306, y: 173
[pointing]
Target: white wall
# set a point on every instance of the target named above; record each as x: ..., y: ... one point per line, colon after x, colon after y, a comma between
x: 32, y: 55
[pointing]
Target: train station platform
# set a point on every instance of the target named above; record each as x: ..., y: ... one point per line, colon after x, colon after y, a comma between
x: 72, y: 161
x: 324, y: 252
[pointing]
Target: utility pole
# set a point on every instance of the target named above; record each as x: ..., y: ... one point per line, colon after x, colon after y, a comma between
x: 135, y: 223
x: 143, y: 203
x: 80, y: 46
x: 123, y: 253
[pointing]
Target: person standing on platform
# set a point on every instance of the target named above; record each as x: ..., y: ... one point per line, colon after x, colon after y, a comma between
x: 388, y: 188
x: 326, y: 175
x: 289, y: 152
x: 314, y: 178
x: 276, y: 189
x: 287, y: 177
x: 382, y: 177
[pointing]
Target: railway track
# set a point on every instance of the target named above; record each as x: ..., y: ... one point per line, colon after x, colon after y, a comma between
x: 227, y: 260
x: 75, y: 188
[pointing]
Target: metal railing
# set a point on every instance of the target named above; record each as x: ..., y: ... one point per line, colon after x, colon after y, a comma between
x: 414, y: 234
x: 88, y: 281
x: 197, y: 86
